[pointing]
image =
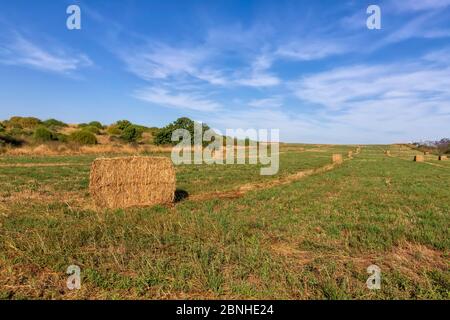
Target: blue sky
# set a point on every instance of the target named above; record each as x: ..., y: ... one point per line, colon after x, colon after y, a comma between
x: 309, y: 68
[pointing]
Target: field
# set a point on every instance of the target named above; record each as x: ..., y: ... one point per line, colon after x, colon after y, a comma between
x: 308, y: 233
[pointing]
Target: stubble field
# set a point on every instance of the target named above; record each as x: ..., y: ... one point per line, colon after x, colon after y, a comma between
x: 309, y: 232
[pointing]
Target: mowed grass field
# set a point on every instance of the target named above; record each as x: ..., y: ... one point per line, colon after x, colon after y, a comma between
x: 311, y: 238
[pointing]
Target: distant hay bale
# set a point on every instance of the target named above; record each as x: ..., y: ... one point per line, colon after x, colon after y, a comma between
x: 132, y: 181
x: 387, y: 152
x: 350, y: 154
x: 337, y: 158
x: 419, y: 158
x: 426, y: 153
x: 442, y: 158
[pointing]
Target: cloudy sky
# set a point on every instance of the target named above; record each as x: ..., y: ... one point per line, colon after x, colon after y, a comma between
x: 309, y: 68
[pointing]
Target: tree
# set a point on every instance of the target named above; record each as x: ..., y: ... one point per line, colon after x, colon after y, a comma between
x: 443, y: 146
x: 164, y: 135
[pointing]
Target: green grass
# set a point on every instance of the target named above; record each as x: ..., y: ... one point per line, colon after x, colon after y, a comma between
x: 311, y: 239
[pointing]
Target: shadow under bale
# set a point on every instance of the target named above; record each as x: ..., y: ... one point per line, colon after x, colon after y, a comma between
x: 180, y: 195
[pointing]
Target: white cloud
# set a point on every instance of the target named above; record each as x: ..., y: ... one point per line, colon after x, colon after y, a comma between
x: 421, y: 5
x: 441, y: 56
x: 259, y: 76
x: 164, y: 97
x: 22, y: 52
x: 161, y: 61
x: 273, y: 102
x: 259, y: 80
x: 339, y: 88
x: 311, y: 50
x: 178, y: 64
x: 384, y: 102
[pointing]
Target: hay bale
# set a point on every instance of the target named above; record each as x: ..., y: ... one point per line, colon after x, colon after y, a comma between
x: 419, y: 158
x: 426, y: 153
x: 387, y: 152
x: 442, y: 158
x: 132, y: 181
x: 337, y: 158
x: 350, y: 154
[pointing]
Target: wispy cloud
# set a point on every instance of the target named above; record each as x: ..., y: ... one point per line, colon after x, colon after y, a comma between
x: 421, y: 5
x: 272, y: 102
x: 20, y: 51
x: 392, y: 100
x: 311, y: 50
x: 345, y: 87
x: 183, y: 100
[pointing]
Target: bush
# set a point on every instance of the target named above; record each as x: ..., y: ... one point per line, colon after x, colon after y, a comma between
x: 131, y: 133
x: 16, y: 132
x: 2, y: 127
x: 53, y: 123
x: 114, y: 131
x: 96, y: 124
x: 42, y: 134
x: 62, y: 137
x: 23, y: 122
x: 92, y: 129
x: 83, y: 137
x: 122, y: 124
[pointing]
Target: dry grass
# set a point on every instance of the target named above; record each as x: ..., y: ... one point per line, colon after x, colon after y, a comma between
x: 60, y: 149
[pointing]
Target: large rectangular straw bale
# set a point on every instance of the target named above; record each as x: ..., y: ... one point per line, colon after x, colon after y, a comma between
x: 132, y: 181
x: 337, y: 158
x: 419, y: 158
x: 441, y: 158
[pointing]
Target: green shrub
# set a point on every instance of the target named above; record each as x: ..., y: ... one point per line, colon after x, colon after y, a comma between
x: 92, y: 129
x: 42, y: 134
x: 16, y: 132
x: 23, y: 122
x: 83, y: 137
x: 122, y: 124
x: 131, y: 133
x: 96, y: 124
x: 82, y: 125
x: 2, y: 127
x: 53, y: 123
x: 114, y: 131
x: 62, y: 137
